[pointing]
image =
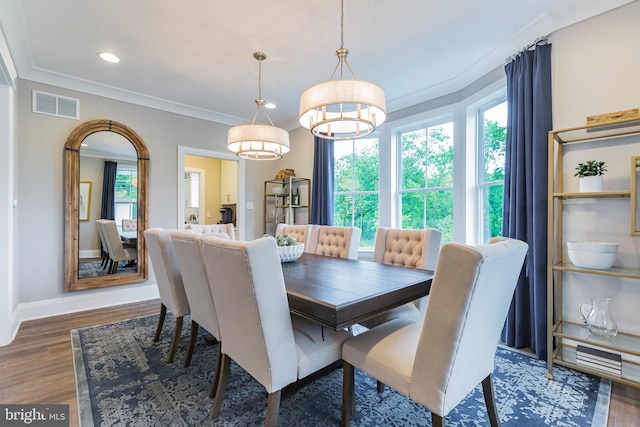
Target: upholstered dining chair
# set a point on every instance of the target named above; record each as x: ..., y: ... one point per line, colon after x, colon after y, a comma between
x: 438, y: 361
x: 169, y: 278
x: 256, y: 328
x: 337, y: 242
x: 129, y: 224
x: 117, y: 251
x: 228, y: 229
x: 405, y: 248
x: 198, y: 291
x: 103, y: 244
x: 302, y: 232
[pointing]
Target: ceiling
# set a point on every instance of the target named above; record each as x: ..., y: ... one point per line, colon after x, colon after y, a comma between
x: 196, y: 57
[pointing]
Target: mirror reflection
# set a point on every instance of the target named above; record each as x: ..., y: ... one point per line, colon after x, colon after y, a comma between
x: 108, y: 206
x: 106, y: 166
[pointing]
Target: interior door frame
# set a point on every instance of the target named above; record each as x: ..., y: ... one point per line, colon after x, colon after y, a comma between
x: 240, y: 206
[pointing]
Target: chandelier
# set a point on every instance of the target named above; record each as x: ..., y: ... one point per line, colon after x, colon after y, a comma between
x: 344, y: 108
x: 256, y: 141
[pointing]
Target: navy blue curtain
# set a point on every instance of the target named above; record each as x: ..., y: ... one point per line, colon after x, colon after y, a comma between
x: 525, y: 192
x: 322, y: 182
x: 108, y: 207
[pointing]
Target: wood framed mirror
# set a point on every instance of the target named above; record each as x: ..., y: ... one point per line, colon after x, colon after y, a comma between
x: 83, y: 198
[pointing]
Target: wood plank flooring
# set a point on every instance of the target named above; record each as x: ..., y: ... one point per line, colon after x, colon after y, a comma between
x: 37, y: 367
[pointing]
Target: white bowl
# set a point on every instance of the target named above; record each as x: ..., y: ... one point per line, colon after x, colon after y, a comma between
x: 290, y: 253
x: 278, y: 191
x: 594, y: 260
x: 592, y: 246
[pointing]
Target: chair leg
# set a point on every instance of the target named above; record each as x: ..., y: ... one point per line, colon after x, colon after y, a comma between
x: 380, y: 386
x: 163, y: 313
x: 192, y: 343
x: 490, y: 401
x: 437, y: 420
x: 115, y: 267
x: 348, y: 393
x: 176, y: 339
x: 222, y: 384
x: 216, y: 373
x: 273, y: 407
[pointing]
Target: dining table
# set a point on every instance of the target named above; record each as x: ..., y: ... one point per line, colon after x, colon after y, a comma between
x: 129, y: 237
x: 339, y: 293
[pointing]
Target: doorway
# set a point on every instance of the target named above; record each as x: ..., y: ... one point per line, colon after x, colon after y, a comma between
x: 207, y: 214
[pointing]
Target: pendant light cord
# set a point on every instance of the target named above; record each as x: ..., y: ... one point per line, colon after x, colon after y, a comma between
x: 260, y: 102
x: 342, y: 52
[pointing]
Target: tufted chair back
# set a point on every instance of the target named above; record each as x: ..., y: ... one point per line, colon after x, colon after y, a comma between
x: 337, y: 242
x: 129, y: 224
x: 407, y: 248
x: 302, y: 233
x: 212, y: 228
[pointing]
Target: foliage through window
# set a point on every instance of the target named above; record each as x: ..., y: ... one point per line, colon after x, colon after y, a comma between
x: 126, y: 193
x: 356, y: 187
x: 426, y: 182
x: 492, y: 132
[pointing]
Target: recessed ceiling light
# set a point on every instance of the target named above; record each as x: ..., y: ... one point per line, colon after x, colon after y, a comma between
x: 109, y: 57
x: 270, y: 105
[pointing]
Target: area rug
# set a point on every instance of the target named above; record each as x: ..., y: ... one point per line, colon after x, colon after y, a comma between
x: 93, y: 268
x: 123, y: 379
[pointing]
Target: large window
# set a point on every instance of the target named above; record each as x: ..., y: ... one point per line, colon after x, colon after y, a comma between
x: 426, y: 178
x: 492, y: 136
x: 356, y: 187
x: 126, y: 193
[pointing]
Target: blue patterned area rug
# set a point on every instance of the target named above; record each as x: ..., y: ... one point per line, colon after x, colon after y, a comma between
x: 123, y: 379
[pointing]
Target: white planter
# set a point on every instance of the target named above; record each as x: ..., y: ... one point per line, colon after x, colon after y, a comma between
x: 590, y: 184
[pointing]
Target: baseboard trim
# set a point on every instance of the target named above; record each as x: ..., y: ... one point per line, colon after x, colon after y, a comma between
x: 85, y: 301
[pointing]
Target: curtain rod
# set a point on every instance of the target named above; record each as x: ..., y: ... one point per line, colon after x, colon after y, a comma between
x: 539, y: 41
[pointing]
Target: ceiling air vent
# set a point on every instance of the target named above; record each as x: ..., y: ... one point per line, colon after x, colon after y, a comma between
x: 55, y: 105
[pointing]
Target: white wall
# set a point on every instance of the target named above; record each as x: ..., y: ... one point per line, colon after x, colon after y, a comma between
x: 596, y: 66
x: 39, y: 217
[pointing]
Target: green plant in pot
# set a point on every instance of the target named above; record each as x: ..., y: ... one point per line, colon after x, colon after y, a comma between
x: 590, y: 174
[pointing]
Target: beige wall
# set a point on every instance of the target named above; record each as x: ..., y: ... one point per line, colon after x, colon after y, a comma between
x: 595, y: 70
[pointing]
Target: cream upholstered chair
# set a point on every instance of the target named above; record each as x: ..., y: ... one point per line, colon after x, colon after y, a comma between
x: 302, y: 233
x: 196, y: 286
x: 117, y: 251
x: 212, y: 228
x: 169, y: 279
x: 405, y: 248
x: 337, y: 242
x: 256, y: 328
x: 129, y: 224
x: 103, y: 243
x: 438, y: 361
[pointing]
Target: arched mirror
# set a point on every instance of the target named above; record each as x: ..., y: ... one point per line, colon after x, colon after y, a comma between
x: 106, y: 178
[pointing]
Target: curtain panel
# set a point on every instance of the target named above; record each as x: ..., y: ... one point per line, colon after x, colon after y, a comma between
x: 525, y: 192
x: 108, y: 207
x: 322, y: 182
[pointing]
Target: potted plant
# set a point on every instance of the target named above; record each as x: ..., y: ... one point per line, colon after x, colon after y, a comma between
x: 590, y: 174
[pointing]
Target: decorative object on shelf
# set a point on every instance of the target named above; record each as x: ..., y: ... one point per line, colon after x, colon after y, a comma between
x: 594, y: 255
x: 296, y: 198
x: 615, y: 117
x: 590, y: 174
x: 279, y: 191
x: 598, y: 358
x: 344, y: 108
x: 599, y: 319
x: 285, y: 173
x: 256, y: 141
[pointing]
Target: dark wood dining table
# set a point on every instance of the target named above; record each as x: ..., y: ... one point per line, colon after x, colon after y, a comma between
x: 339, y: 293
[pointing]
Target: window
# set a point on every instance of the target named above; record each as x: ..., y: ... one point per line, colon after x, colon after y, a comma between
x: 126, y: 193
x: 492, y: 138
x: 356, y: 187
x: 426, y: 178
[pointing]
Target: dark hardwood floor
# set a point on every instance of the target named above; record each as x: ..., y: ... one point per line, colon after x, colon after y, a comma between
x: 37, y: 367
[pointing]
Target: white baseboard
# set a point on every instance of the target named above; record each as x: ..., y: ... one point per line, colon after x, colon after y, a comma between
x: 85, y: 301
x: 89, y: 253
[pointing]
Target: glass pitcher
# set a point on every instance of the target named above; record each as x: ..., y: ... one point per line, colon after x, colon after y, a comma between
x: 598, y: 318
